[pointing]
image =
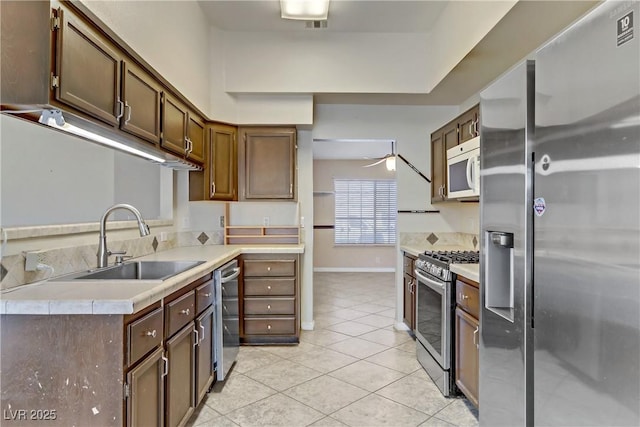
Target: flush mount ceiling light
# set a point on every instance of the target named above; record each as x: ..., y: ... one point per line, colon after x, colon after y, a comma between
x: 313, y: 10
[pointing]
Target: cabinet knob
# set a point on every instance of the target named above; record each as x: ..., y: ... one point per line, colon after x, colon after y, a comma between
x: 269, y: 287
x: 151, y: 333
x: 207, y: 295
x: 268, y: 307
x: 269, y: 327
x: 185, y: 311
x: 268, y: 268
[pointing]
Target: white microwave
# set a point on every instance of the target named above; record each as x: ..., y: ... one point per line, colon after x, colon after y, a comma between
x: 463, y: 170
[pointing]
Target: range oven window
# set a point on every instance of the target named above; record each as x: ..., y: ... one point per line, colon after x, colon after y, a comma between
x: 429, y: 316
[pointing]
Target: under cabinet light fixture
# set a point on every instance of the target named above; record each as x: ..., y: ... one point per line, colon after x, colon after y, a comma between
x: 311, y: 10
x: 54, y: 119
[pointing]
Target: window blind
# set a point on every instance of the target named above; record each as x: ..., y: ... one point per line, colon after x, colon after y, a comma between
x: 365, y: 212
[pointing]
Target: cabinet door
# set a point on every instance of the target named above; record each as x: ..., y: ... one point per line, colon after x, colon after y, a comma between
x: 268, y: 163
x: 180, y: 385
x: 174, y: 125
x: 467, y: 355
x: 409, y: 312
x: 223, y: 163
x: 468, y: 124
x: 450, y: 138
x: 88, y: 70
x: 204, y: 354
x: 196, y: 135
x: 146, y: 392
x: 142, y: 97
x: 437, y: 167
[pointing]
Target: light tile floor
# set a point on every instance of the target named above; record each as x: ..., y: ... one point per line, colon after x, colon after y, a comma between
x: 353, y: 370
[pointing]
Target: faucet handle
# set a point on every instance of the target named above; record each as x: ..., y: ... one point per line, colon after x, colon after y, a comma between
x: 120, y: 256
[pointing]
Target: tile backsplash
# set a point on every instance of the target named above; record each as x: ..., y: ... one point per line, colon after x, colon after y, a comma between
x: 431, y: 240
x: 78, y: 258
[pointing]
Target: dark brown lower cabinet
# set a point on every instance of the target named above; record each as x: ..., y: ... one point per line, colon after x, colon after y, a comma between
x: 145, y: 402
x: 204, y: 354
x: 179, y: 393
x: 467, y: 354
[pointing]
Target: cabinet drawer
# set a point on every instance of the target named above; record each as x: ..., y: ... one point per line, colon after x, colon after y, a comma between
x: 180, y: 312
x: 408, y: 265
x: 143, y: 335
x: 257, y: 268
x: 268, y: 287
x: 204, y: 296
x: 270, y: 326
x: 270, y: 306
x: 468, y: 298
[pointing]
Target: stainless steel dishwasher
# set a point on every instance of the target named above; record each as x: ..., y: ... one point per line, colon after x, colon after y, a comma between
x: 227, y: 321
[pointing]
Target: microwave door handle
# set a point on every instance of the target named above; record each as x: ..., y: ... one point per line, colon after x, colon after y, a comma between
x: 470, y: 163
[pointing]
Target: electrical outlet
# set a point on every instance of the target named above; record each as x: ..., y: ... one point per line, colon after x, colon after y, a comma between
x: 301, y: 222
x: 265, y: 221
x: 163, y: 236
x: 32, y: 259
x: 185, y: 222
x: 221, y: 221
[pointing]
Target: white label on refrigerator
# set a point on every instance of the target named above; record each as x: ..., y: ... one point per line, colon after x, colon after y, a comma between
x: 539, y: 206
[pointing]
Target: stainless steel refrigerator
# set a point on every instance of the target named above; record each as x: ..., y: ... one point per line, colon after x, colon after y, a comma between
x: 560, y: 230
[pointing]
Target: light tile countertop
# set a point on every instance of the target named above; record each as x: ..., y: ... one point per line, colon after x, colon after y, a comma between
x: 126, y: 297
x: 470, y: 271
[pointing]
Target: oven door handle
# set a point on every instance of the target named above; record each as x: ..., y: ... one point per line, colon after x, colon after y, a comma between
x: 436, y: 286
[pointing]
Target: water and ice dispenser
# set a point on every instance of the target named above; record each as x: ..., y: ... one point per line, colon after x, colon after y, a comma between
x: 499, y: 273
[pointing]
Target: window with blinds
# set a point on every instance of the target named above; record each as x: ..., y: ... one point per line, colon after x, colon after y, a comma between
x: 365, y: 211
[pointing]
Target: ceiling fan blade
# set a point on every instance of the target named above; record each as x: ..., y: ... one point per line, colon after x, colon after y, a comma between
x: 376, y: 163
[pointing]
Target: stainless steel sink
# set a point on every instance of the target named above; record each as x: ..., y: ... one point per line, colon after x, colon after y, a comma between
x: 140, y: 270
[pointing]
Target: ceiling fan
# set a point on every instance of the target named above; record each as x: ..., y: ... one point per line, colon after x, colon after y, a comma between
x: 390, y: 162
x: 389, y: 159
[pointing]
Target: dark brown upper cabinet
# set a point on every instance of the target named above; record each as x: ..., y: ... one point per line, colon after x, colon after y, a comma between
x: 468, y: 123
x: 223, y: 163
x: 141, y: 95
x: 174, y: 125
x: 183, y: 131
x: 87, y: 70
x: 219, y: 179
x: 267, y: 163
x: 195, y: 138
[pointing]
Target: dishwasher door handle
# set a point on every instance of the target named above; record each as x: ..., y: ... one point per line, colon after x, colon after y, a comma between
x: 230, y: 277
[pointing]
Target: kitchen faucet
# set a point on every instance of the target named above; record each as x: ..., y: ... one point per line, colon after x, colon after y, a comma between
x: 103, y: 252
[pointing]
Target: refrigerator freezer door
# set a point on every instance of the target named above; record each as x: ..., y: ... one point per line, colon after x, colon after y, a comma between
x: 587, y: 236
x: 505, y: 180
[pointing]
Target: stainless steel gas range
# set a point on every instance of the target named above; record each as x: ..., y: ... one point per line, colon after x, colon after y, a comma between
x: 435, y: 305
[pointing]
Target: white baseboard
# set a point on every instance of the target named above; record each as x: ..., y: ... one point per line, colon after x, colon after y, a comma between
x: 353, y: 270
x: 308, y: 326
x: 400, y: 326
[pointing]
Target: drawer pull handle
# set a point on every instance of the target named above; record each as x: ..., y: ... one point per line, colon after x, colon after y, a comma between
x: 185, y: 311
x: 269, y: 287
x: 268, y: 308
x: 202, y: 336
x: 151, y: 334
x: 197, y: 340
x: 207, y: 295
x: 269, y: 327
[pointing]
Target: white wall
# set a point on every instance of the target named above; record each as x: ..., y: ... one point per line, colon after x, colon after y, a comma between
x: 309, y: 61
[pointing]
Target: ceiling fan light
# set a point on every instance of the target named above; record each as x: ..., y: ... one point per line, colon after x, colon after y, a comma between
x: 316, y: 10
x: 390, y: 163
